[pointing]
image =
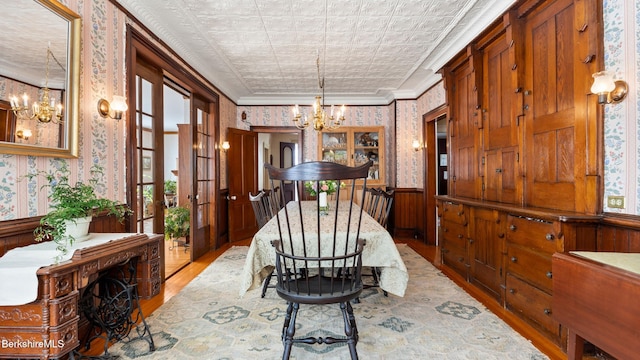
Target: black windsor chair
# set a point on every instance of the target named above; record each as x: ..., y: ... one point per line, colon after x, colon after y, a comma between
x: 324, y: 245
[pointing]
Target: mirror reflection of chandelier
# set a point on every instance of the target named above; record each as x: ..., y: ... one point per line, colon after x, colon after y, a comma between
x: 46, y: 110
x: 319, y: 117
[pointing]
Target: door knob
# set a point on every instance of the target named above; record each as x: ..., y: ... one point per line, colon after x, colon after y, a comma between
x: 231, y: 197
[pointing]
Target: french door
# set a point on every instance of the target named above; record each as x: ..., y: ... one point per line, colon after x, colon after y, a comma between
x: 202, y: 195
x: 149, y: 150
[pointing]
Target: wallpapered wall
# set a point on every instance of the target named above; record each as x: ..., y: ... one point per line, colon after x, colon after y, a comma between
x: 622, y: 121
x: 402, y: 121
x: 281, y: 115
x: 101, y: 141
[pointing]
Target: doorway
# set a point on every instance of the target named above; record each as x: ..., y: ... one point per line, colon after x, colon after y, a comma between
x: 249, y: 151
x: 435, y: 165
x: 177, y: 104
x: 153, y: 80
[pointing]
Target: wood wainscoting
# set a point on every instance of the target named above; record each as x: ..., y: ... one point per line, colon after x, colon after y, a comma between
x: 620, y: 233
x: 407, y: 218
x: 223, y: 219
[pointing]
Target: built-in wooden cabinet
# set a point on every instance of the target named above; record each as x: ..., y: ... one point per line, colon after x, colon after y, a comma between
x: 523, y: 125
x: 354, y: 146
x: 486, y: 249
x: 454, y: 232
x: 506, y: 251
x: 530, y: 244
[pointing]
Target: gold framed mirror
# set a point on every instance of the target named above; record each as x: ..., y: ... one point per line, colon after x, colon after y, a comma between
x: 41, y: 55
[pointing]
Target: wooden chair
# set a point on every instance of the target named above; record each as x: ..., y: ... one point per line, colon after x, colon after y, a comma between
x: 265, y: 206
x: 377, y: 203
x: 326, y: 249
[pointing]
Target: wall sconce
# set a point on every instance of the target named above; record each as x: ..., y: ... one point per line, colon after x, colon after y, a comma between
x: 416, y: 145
x: 24, y: 134
x: 114, y: 109
x: 609, y: 91
x: 225, y: 146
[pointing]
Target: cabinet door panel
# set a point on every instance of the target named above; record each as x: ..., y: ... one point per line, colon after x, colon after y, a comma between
x: 499, y: 124
x: 463, y: 137
x: 554, y: 143
x: 486, y: 244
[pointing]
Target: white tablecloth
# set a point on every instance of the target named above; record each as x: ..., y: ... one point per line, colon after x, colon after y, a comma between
x: 18, y: 267
x: 380, y: 250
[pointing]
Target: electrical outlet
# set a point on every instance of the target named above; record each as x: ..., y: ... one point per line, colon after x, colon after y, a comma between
x: 615, y: 202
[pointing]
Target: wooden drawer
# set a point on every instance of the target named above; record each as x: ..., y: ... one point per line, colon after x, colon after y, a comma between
x: 533, y: 233
x: 454, y: 234
x: 60, y: 285
x: 56, y: 341
x: 154, y: 250
x: 148, y: 287
x: 455, y: 258
x: 64, y: 309
x: 531, y: 304
x: 64, y: 337
x: 530, y: 265
x: 454, y: 213
x: 149, y: 269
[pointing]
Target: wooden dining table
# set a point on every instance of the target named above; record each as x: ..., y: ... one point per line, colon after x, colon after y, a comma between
x: 380, y: 250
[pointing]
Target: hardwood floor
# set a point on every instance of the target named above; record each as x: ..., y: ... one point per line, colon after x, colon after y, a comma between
x: 176, y: 256
x: 175, y: 283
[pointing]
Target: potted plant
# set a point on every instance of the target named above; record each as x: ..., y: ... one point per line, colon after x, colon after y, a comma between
x: 177, y: 223
x: 72, y: 204
x: 170, y: 190
x: 147, y: 194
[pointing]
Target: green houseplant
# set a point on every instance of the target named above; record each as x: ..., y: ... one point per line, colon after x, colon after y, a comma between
x: 177, y: 222
x: 170, y: 191
x: 71, y: 202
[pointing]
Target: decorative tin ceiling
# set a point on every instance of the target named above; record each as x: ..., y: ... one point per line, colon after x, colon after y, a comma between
x: 261, y: 52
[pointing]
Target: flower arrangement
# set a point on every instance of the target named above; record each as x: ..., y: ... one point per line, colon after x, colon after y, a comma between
x: 327, y: 186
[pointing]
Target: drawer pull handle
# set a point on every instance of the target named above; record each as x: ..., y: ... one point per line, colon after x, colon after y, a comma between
x: 549, y: 237
x: 512, y: 227
x: 445, y: 230
x: 512, y: 291
x: 514, y: 259
x: 470, y: 241
x: 547, y: 311
x: 459, y: 236
x: 549, y: 274
x: 460, y: 213
x: 501, y: 235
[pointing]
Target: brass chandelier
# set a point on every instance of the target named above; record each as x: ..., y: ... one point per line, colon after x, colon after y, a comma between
x: 46, y: 110
x: 319, y: 117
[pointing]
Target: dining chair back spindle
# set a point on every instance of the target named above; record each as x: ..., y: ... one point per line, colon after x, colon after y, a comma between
x: 377, y: 203
x: 261, y: 207
x: 322, y: 263
x: 265, y: 206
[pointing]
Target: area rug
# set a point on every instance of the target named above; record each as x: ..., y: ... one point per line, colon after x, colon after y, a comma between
x: 435, y: 319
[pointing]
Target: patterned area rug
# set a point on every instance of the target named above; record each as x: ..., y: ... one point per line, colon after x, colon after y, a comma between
x: 434, y: 320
